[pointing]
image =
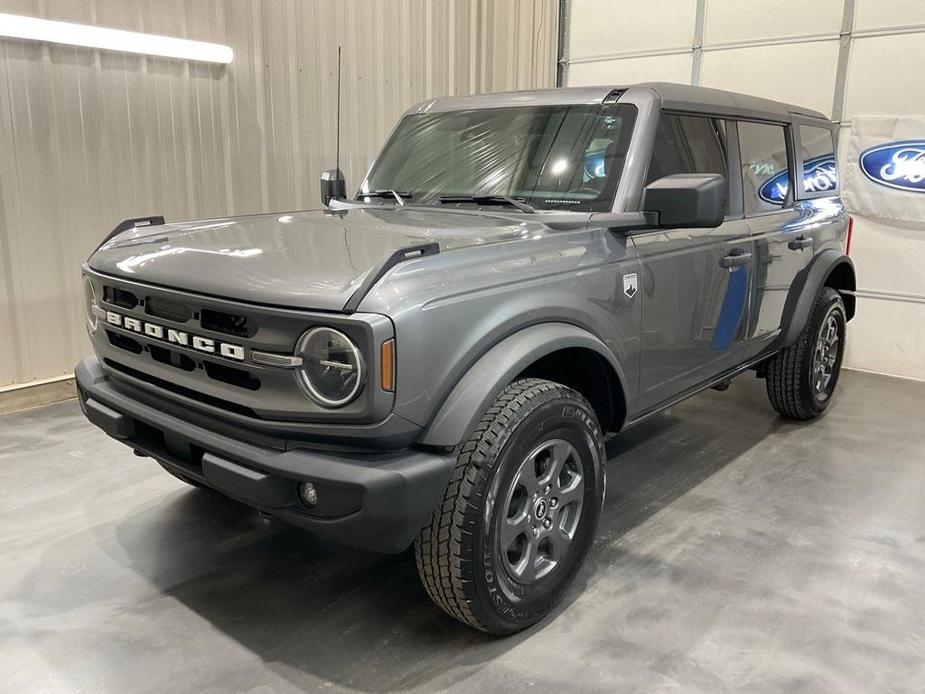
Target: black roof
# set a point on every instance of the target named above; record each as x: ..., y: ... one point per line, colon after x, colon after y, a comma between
x: 685, y: 97
x: 677, y: 97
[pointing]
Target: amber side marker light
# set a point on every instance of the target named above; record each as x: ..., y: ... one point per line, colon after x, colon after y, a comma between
x: 849, y: 235
x: 387, y: 365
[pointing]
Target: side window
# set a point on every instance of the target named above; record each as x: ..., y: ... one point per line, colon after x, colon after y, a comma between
x: 765, y: 172
x: 687, y: 144
x: 820, y: 174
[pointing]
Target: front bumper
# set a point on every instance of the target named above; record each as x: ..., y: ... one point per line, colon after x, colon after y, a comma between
x: 376, y: 501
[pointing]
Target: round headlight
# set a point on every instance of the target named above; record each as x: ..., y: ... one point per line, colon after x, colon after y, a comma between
x: 90, y: 304
x: 332, y: 370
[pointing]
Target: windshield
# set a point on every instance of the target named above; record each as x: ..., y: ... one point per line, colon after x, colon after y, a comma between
x: 567, y: 157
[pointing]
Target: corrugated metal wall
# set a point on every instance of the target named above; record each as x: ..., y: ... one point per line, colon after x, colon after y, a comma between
x: 88, y: 138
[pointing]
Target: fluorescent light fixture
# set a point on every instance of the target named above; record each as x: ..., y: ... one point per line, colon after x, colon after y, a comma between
x: 35, y: 29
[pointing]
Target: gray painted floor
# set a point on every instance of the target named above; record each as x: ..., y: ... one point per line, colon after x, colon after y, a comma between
x: 738, y: 552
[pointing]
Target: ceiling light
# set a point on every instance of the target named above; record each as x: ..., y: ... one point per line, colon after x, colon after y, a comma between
x: 35, y: 29
x: 559, y: 167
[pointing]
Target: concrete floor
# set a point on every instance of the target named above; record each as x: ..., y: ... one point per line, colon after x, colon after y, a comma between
x: 738, y: 552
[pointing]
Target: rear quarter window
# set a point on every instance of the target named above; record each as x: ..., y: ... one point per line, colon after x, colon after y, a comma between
x: 820, y: 172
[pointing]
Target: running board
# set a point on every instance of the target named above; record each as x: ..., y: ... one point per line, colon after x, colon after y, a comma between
x: 724, y: 378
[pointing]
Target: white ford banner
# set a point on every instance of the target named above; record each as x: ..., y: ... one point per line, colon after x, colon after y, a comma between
x: 884, y: 173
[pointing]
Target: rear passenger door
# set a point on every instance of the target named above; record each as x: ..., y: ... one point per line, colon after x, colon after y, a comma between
x: 782, y: 240
x: 695, y: 302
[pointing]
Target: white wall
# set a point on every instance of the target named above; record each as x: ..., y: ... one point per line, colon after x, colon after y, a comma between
x: 88, y: 138
x: 789, y: 50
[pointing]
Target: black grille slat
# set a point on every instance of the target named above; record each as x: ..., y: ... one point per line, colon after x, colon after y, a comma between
x: 119, y: 297
x: 167, y: 309
x: 124, y: 342
x: 167, y: 356
x: 231, y: 375
x: 227, y: 323
x: 180, y: 390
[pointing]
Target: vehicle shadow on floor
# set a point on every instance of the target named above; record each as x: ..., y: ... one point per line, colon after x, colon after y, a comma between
x: 362, y: 620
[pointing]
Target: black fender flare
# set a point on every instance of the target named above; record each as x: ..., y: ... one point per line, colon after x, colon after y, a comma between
x: 806, y: 288
x: 459, y: 414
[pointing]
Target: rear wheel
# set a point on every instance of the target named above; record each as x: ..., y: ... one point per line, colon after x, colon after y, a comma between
x: 520, y: 511
x: 802, y: 378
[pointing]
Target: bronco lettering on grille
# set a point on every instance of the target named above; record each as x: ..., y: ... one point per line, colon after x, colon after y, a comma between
x: 176, y: 337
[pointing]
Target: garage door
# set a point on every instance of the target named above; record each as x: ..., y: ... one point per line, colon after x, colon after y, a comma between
x: 850, y: 59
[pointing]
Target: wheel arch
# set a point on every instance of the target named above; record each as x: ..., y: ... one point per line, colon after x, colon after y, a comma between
x: 831, y: 268
x: 548, y: 350
x: 842, y: 278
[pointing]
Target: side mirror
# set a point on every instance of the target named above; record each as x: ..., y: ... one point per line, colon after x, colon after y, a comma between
x: 694, y: 201
x: 333, y: 186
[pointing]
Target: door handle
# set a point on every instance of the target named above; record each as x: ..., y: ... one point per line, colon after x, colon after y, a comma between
x: 735, y: 259
x: 799, y: 243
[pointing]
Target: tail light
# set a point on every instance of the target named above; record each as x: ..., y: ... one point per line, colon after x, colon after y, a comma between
x: 849, y: 235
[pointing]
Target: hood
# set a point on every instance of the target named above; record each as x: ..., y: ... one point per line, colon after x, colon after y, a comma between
x: 312, y: 260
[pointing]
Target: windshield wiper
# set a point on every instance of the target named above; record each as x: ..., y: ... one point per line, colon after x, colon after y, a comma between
x: 388, y: 193
x: 490, y: 200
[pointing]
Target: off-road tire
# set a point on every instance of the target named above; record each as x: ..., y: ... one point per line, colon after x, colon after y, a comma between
x: 183, y: 478
x: 458, y: 553
x: 789, y: 373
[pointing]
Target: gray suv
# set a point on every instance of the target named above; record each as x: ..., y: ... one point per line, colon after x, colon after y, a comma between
x: 437, y: 360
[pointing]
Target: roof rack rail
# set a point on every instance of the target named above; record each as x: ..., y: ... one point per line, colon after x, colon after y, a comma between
x: 390, y: 261
x: 613, y: 96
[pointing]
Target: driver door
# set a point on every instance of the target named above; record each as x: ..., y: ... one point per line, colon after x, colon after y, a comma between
x: 695, y: 283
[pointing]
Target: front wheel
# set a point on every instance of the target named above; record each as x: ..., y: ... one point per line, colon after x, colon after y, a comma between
x: 520, y: 511
x: 802, y: 378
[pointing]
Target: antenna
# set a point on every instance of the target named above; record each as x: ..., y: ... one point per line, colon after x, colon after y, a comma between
x: 333, y: 186
x: 337, y: 133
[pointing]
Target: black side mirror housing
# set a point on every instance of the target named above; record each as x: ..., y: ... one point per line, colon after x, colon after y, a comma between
x: 333, y: 186
x: 688, y: 201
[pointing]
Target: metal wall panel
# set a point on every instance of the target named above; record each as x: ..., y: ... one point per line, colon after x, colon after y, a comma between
x: 88, y: 137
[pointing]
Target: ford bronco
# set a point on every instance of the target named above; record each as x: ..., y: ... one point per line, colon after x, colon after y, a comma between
x: 436, y: 360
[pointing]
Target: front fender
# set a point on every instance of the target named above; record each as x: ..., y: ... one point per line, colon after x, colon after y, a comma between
x: 481, y: 384
x: 806, y: 288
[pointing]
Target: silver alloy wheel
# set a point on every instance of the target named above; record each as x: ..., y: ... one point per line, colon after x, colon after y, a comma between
x: 542, y: 509
x: 825, y: 356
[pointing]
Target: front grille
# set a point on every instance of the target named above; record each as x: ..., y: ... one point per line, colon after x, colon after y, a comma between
x: 180, y: 390
x: 181, y: 315
x: 181, y: 312
x: 214, y: 370
x: 197, y: 349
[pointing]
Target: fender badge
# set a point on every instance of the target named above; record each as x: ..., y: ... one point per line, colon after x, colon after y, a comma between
x: 630, y: 285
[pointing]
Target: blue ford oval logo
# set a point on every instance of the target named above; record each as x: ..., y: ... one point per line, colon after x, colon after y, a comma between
x: 899, y: 165
x: 819, y: 175
x: 595, y: 166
